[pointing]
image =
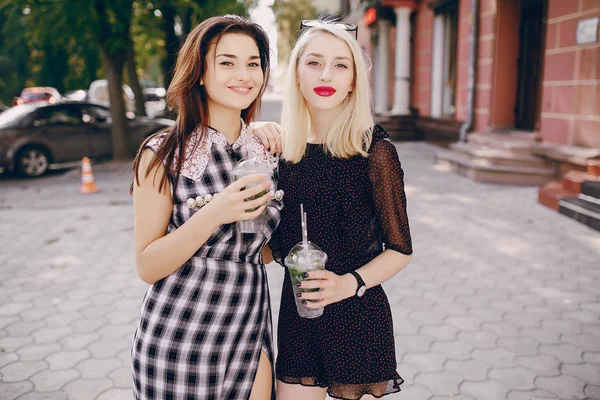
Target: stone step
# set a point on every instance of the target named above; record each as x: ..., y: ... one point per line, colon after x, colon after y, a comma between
x: 575, y: 155
x: 552, y: 193
x: 591, y: 189
x: 499, y: 156
x: 399, y: 127
x: 593, y: 167
x: 573, y: 179
x: 483, y: 171
x: 586, y: 212
x: 510, y: 141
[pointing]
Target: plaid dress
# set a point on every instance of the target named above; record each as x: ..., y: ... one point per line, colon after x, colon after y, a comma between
x: 202, y: 328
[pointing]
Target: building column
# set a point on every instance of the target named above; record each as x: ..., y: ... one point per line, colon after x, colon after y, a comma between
x: 382, y: 76
x: 402, y: 64
x: 437, y: 66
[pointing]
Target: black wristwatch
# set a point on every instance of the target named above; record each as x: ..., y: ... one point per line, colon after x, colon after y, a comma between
x: 361, y: 288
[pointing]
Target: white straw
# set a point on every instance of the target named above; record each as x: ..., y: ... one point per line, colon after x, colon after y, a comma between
x: 303, y: 224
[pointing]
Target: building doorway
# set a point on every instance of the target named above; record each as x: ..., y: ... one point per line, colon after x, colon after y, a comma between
x: 531, y: 33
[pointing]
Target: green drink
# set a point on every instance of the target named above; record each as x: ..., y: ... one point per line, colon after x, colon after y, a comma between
x: 301, y: 259
x: 245, y: 168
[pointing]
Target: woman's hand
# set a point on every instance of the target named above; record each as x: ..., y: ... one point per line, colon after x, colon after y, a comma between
x: 231, y: 205
x: 269, y: 134
x: 333, y: 288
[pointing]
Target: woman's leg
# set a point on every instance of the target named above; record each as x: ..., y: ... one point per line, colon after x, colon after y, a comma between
x: 287, y: 391
x: 263, y: 382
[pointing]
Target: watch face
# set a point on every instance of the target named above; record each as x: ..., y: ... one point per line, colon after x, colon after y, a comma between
x: 361, y: 291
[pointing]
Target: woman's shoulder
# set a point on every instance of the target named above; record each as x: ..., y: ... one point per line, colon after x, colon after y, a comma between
x: 379, y: 137
x: 155, y: 140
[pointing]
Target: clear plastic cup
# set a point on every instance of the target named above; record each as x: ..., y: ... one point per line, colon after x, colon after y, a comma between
x: 302, y: 259
x: 252, y: 167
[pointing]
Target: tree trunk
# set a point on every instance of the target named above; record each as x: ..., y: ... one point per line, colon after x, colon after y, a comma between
x: 186, y: 24
x: 113, y: 67
x: 140, y: 108
x: 171, y: 41
x: 91, y: 65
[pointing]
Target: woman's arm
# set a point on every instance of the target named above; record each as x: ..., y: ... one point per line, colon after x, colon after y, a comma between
x: 267, y: 255
x: 387, y: 185
x: 269, y: 134
x: 340, y: 287
x: 159, y: 254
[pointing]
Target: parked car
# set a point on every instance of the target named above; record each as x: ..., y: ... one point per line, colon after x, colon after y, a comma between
x: 40, y: 136
x: 98, y: 94
x: 76, y: 95
x: 38, y: 94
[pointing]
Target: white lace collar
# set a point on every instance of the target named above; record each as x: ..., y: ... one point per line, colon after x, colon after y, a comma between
x: 197, y: 155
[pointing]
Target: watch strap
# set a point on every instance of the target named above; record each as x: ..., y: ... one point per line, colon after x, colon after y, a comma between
x: 360, y: 282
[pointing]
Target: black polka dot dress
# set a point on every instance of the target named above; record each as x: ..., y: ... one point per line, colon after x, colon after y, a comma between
x: 356, y: 208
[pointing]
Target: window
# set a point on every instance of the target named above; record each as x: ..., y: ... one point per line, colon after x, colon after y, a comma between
x: 444, y: 64
x: 57, y: 116
x: 95, y: 114
x: 450, y: 61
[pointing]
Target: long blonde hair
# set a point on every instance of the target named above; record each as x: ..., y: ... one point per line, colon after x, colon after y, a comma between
x: 351, y: 132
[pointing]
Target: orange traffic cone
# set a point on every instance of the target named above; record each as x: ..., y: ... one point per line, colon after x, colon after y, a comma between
x: 87, y: 178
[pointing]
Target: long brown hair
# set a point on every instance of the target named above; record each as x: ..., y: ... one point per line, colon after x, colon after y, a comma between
x: 189, y: 99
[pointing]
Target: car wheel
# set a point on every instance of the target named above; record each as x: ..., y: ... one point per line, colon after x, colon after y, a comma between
x: 32, y: 161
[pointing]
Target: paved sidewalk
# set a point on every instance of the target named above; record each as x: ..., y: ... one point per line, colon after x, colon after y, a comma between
x: 501, y: 300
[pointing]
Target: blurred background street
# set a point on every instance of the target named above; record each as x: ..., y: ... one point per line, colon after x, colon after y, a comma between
x: 493, y: 105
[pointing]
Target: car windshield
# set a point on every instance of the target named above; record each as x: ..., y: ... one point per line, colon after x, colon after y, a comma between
x: 13, y: 115
x: 35, y: 96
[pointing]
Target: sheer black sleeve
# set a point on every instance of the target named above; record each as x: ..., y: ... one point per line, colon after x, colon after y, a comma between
x: 387, y: 182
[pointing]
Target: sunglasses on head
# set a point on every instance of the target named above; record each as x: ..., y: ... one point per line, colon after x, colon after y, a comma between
x: 312, y: 23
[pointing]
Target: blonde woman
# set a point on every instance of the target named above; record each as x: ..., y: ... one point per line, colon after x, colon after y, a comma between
x: 347, y: 174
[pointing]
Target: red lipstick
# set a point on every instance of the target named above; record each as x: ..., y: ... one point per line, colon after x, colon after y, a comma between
x: 324, y: 91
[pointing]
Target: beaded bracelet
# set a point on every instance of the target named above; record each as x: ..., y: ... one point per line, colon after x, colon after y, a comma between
x: 200, y: 201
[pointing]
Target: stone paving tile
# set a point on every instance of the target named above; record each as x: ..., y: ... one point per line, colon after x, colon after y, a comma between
x: 564, y: 352
x: 116, y: 394
x: 520, y: 346
x: 481, y: 340
x: 592, y: 391
x: 95, y: 368
x: 441, y: 333
x: 542, y: 365
x: 79, y: 341
x: 471, y: 370
x: 50, y: 335
x: 52, y: 380
x: 466, y: 326
x: 454, y: 350
x: 531, y: 395
x: 415, y: 392
x: 426, y: 362
x: 488, y: 390
x: 497, y: 358
x: 514, y: 378
x: 564, y: 386
x: 67, y: 359
x: 13, y: 390
x: 591, y: 357
x: 121, y: 377
x: 87, y: 389
x: 45, y: 396
x: 441, y: 383
x: 37, y: 352
x: 21, y: 370
x: 589, y: 373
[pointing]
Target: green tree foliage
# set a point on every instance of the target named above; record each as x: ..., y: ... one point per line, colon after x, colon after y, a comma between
x: 289, y: 14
